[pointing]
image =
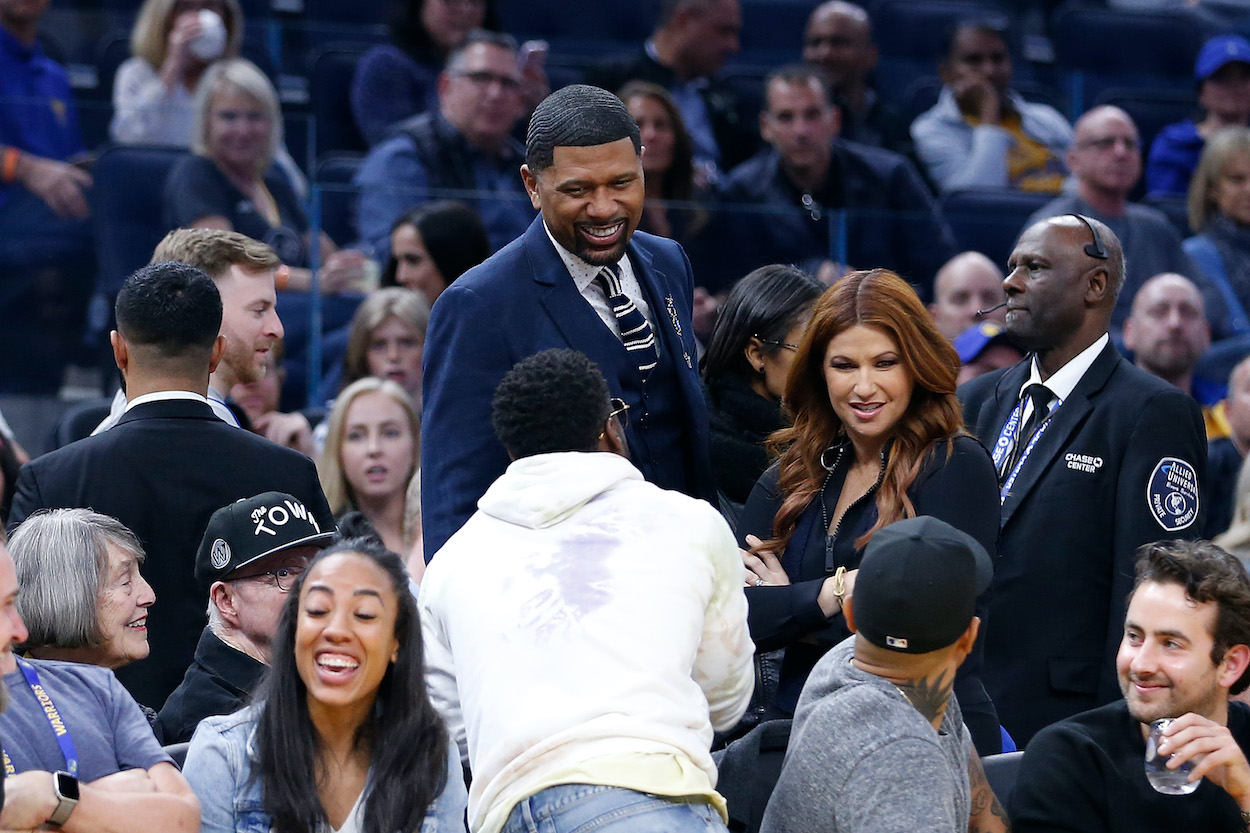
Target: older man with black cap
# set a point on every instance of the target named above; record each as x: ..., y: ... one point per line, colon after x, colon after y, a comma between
x: 252, y: 553
x: 878, y: 741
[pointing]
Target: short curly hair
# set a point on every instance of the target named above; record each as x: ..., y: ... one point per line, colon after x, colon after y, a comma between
x: 1208, y: 574
x: 556, y: 400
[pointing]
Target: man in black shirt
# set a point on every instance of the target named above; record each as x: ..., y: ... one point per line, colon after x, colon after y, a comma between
x: 1186, y: 647
x: 812, y: 197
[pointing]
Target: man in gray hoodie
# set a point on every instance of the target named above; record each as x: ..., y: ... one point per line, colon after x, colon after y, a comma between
x: 878, y: 741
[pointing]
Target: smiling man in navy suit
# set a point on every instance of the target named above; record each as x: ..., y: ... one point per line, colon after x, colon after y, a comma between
x: 580, y: 277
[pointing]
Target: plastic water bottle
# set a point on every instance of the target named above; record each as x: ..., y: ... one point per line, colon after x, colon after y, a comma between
x: 1164, y: 780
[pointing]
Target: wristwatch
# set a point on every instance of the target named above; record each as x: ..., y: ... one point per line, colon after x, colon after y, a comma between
x: 66, y: 788
x: 1245, y: 819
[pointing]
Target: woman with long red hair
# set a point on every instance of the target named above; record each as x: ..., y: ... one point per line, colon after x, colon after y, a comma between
x: 877, y: 436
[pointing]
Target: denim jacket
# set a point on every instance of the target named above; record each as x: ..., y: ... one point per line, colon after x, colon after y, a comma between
x: 219, y: 769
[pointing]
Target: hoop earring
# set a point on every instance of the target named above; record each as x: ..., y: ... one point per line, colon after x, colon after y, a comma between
x: 828, y: 466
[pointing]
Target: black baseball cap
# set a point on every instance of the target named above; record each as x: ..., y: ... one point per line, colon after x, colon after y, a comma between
x: 250, y: 529
x: 917, y: 586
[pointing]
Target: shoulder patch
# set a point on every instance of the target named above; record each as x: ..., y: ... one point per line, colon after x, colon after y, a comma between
x: 1172, y: 494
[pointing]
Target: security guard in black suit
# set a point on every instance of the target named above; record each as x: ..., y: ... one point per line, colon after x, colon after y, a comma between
x: 1095, y: 458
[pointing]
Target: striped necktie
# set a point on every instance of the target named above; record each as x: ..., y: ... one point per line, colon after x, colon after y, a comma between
x: 635, y: 331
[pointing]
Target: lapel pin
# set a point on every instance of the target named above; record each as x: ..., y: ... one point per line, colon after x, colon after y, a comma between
x: 672, y: 313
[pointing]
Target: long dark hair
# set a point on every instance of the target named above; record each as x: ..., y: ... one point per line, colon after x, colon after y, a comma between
x: 408, y: 770
x: 875, y: 298
x: 452, y: 234
x: 767, y: 303
x: 678, y: 182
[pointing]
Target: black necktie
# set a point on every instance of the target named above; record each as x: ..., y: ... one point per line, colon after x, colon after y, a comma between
x: 635, y: 331
x: 1040, y: 396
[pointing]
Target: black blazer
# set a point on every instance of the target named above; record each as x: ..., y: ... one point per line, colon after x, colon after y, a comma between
x: 1101, y: 481
x: 162, y: 471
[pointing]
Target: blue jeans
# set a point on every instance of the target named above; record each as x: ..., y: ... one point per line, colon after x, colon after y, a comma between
x: 582, y: 808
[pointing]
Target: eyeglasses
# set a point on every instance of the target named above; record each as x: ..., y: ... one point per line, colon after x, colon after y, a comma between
x: 285, y: 577
x: 772, y: 342
x: 620, y: 408
x: 1109, y: 142
x: 484, y: 78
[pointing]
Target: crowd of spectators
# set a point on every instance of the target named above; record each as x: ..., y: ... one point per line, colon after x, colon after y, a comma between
x: 626, y: 392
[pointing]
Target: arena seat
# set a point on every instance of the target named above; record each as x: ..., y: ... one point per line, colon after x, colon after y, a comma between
x: 359, y: 12
x: 748, y: 771
x: 127, y: 204
x: 1001, y: 771
x: 330, y: 88
x: 177, y: 751
x: 989, y: 220
x: 593, y: 33
x: 338, y: 201
x: 1099, y: 48
x: 772, y: 32
x: 1176, y: 209
x: 78, y: 421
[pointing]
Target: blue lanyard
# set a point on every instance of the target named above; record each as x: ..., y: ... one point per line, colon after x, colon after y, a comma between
x: 1006, y: 441
x: 59, y: 729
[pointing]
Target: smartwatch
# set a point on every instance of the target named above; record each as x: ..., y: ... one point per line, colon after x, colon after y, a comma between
x: 66, y: 788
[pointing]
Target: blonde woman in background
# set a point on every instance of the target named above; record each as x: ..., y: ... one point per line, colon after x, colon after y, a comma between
x: 231, y: 183
x: 172, y: 44
x: 371, y: 456
x: 387, y: 340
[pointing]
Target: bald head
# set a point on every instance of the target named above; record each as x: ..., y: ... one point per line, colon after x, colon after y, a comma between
x: 1168, y: 285
x: 1105, y: 157
x: 1088, y: 233
x: 840, y: 8
x: 838, y: 41
x: 966, y: 283
x: 1061, y: 287
x: 1167, y: 329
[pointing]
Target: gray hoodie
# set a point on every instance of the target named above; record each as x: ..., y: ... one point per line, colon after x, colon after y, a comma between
x: 861, y: 758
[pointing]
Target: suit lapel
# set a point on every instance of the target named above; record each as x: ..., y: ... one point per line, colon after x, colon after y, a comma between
x: 576, y: 321
x: 664, y: 307
x: 1062, y: 424
x: 994, y: 414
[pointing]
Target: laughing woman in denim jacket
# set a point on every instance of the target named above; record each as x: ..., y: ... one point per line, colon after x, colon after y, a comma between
x: 342, y: 737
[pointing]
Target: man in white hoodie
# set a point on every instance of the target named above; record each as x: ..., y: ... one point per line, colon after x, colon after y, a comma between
x: 585, y: 631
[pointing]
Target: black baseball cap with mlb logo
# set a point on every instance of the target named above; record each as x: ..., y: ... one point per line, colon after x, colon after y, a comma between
x: 251, y: 529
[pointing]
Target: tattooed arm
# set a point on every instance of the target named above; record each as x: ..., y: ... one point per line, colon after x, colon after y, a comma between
x: 988, y: 815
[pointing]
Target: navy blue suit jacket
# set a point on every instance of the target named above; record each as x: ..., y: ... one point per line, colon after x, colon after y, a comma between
x: 519, y: 302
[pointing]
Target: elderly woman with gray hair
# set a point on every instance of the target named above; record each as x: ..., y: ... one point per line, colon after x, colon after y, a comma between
x: 83, y: 599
